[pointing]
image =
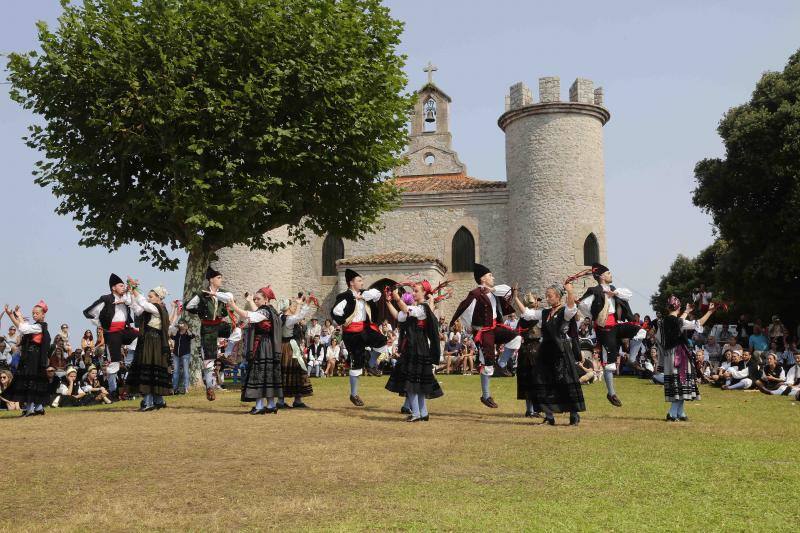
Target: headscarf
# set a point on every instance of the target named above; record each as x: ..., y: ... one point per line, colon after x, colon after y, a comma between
x: 160, y: 291
x: 558, y: 288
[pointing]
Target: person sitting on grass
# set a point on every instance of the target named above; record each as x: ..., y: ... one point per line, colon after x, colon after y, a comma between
x: 586, y: 373
x: 773, y: 377
x: 717, y: 378
x: 451, y: 356
x: 93, y: 388
x: 743, y: 372
x: 793, y: 378
x: 70, y: 393
x: 5, y: 380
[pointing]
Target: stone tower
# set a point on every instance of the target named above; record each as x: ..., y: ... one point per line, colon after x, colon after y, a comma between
x: 430, y: 144
x: 554, y: 168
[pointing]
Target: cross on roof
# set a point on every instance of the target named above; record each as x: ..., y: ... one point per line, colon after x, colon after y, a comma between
x: 430, y: 69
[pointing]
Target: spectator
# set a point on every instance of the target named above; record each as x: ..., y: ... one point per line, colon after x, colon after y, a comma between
x: 586, y: 331
x: 5, y: 353
x: 732, y: 345
x: 181, y: 354
x: 12, y: 339
x: 332, y: 358
x: 793, y: 378
x: 64, y: 333
x: 468, y: 357
x: 316, y: 357
x: 326, y: 335
x: 743, y: 372
x: 702, y: 298
x: 743, y: 329
x: 777, y: 333
x: 786, y: 358
x: 5, y: 380
x: 87, y: 341
x: 93, y: 387
x: 450, y: 355
x: 758, y: 342
x: 773, y: 377
x: 313, y: 330
x: 717, y: 376
x: 70, y: 393
x: 586, y: 373
x: 713, y: 352
x: 59, y: 353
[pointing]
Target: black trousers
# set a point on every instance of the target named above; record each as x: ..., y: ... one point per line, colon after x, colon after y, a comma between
x: 356, y: 344
x: 115, y: 340
x: 611, y: 338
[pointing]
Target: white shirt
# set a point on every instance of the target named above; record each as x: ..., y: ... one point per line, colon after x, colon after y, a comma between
x: 413, y: 310
x: 622, y: 294
x: 120, y: 311
x: 536, y: 314
x: 26, y: 328
x: 371, y: 295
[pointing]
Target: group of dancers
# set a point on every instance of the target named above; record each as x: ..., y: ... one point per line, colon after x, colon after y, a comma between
x: 547, y: 377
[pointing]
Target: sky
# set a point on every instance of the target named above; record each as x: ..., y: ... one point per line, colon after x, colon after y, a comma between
x: 669, y: 71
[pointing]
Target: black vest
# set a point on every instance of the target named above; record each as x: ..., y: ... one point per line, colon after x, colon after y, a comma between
x: 622, y: 308
x: 107, y: 312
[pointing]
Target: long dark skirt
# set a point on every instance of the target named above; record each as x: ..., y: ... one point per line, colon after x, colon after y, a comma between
x: 553, y: 381
x: 413, y: 373
x: 295, y: 379
x: 263, y: 378
x: 149, y: 373
x: 525, y: 362
x: 30, y: 383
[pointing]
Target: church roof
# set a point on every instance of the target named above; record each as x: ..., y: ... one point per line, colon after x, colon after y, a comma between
x: 445, y: 182
x: 390, y: 258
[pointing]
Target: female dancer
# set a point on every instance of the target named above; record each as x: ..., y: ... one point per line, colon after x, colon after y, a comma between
x: 30, y: 384
x: 293, y: 368
x: 420, y: 351
x: 527, y: 353
x: 262, y: 339
x: 554, y: 383
x: 675, y: 358
x: 149, y: 373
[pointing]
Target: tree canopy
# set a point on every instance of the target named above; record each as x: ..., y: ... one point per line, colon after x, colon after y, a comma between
x: 200, y: 124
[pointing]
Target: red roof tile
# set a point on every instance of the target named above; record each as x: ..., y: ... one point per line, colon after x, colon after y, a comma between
x: 445, y: 182
x: 390, y: 258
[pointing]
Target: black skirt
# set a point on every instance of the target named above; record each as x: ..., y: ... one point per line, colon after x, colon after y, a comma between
x: 30, y: 383
x: 413, y: 372
x: 149, y: 373
x: 553, y: 381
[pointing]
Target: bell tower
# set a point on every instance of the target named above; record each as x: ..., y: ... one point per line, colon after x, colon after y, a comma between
x: 430, y: 151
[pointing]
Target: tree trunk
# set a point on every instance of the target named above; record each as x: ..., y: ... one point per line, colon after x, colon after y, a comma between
x: 193, y: 283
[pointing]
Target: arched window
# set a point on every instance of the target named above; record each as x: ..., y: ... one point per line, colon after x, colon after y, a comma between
x: 591, y: 250
x: 332, y: 249
x: 463, y: 258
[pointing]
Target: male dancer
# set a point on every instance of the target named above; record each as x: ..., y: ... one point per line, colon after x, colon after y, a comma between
x: 482, y: 312
x: 613, y: 321
x: 353, y: 311
x: 211, y: 306
x: 112, y: 312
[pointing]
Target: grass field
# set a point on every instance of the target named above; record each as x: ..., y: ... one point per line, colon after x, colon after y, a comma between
x: 209, y: 466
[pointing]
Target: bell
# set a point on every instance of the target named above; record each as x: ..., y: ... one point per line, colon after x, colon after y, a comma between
x: 430, y: 116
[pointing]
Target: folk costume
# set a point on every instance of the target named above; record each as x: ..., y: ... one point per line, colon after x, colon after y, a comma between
x: 553, y: 382
x: 358, y: 331
x: 262, y: 342
x: 294, y: 371
x: 482, y: 313
x: 525, y: 364
x: 675, y: 357
x: 148, y: 375
x: 420, y: 350
x: 212, y: 309
x: 113, y: 314
x: 613, y: 322
x: 30, y: 386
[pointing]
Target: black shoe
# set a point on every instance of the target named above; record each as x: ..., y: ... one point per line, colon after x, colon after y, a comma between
x: 683, y: 418
x: 502, y: 371
x: 614, y: 400
x: 271, y: 411
x: 282, y: 405
x: 550, y: 421
x: 255, y: 411
x: 489, y: 402
x: 357, y: 401
x: 374, y: 372
x: 160, y: 405
x: 574, y: 419
x: 299, y: 405
x: 528, y: 414
x: 425, y: 418
x: 671, y: 418
x: 405, y: 411
x: 413, y: 419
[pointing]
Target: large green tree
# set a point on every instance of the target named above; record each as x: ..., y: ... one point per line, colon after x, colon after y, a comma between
x: 753, y: 196
x: 200, y: 124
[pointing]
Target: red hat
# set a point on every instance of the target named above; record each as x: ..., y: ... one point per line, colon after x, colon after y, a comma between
x: 426, y: 286
x: 267, y: 292
x: 42, y: 305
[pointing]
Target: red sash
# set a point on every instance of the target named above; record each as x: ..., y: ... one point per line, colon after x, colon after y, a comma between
x: 479, y: 334
x: 421, y: 323
x: 116, y: 327
x: 215, y: 322
x: 358, y: 327
x: 36, y: 338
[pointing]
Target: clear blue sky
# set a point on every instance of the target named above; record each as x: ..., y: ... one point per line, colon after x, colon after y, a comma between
x: 669, y: 70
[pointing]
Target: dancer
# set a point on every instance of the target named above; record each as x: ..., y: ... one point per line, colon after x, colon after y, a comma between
x: 553, y: 383
x: 262, y: 381
x: 211, y: 306
x: 149, y: 372
x: 112, y: 313
x: 675, y: 357
x: 482, y: 312
x: 29, y: 387
x: 608, y: 306
x: 527, y: 353
x: 353, y: 311
x: 420, y: 351
x: 294, y: 372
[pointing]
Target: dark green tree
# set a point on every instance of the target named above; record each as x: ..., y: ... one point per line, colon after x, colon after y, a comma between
x: 200, y: 124
x: 753, y: 195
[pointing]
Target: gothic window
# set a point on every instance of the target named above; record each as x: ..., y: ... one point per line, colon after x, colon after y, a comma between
x: 591, y: 250
x: 463, y: 258
x: 332, y: 249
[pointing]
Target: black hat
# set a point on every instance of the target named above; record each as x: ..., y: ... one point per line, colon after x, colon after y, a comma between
x: 349, y: 275
x: 480, y: 271
x: 113, y: 280
x: 211, y: 273
x: 598, y: 269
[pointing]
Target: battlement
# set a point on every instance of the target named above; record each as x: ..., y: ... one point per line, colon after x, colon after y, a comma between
x: 581, y: 91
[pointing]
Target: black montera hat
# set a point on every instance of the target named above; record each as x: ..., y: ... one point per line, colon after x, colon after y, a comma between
x: 480, y: 271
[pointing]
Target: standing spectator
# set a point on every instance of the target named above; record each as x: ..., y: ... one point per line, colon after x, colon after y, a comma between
x: 181, y: 354
x: 777, y: 332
